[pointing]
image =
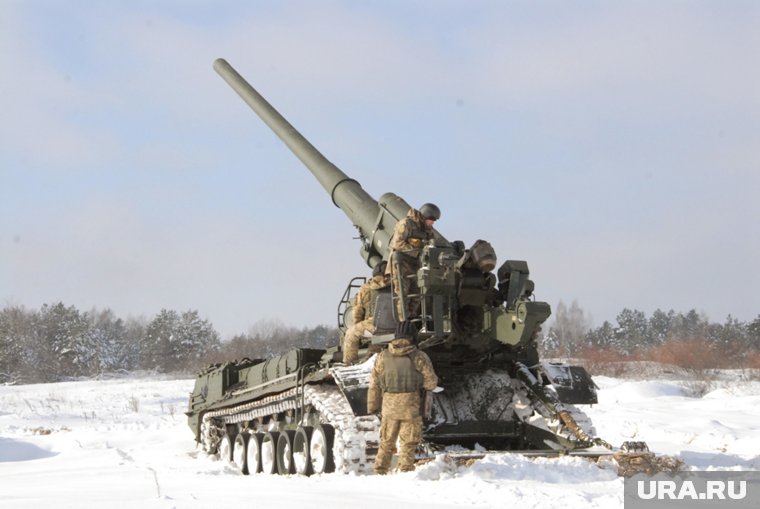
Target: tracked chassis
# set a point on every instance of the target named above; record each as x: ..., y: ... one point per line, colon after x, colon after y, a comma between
x: 309, y: 414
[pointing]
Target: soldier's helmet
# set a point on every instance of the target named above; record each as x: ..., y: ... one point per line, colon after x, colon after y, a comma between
x: 406, y: 330
x: 379, y: 269
x: 430, y: 211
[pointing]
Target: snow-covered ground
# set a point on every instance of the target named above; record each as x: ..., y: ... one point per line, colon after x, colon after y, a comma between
x: 125, y: 443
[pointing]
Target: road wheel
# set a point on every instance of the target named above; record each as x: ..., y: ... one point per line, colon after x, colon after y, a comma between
x: 301, y: 445
x: 240, y: 451
x: 269, y: 452
x: 285, y: 452
x: 225, y: 448
x: 321, y: 449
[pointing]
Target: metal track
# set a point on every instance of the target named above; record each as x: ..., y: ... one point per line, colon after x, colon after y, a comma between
x: 356, y: 438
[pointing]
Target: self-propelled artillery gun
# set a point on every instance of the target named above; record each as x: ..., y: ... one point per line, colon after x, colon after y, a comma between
x: 305, y: 412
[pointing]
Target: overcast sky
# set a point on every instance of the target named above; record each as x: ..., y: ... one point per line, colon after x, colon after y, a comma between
x: 615, y: 146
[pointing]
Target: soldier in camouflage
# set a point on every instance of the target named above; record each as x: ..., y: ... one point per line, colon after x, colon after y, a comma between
x: 399, y: 378
x: 410, y: 235
x: 363, y: 312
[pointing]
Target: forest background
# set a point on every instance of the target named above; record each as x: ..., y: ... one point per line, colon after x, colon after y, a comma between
x: 60, y: 342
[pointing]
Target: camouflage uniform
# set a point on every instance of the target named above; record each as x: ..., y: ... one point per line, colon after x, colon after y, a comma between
x: 401, y: 411
x: 362, y: 312
x: 409, y: 237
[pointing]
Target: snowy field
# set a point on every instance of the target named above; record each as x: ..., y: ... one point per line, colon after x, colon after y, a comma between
x: 125, y: 443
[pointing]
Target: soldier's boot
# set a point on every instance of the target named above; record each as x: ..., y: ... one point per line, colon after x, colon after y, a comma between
x: 406, y: 462
x: 384, y: 457
x: 381, y: 466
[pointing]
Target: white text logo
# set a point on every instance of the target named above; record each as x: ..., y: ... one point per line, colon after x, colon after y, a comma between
x: 714, y: 490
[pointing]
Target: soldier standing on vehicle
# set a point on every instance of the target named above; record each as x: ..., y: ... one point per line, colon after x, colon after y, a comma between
x: 399, y: 378
x: 363, y: 312
x: 410, y: 235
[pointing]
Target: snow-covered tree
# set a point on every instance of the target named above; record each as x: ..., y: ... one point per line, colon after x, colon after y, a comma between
x: 753, y: 334
x: 632, y: 333
x: 602, y: 337
x: 64, y: 346
x: 117, y: 349
x: 17, y: 329
x: 567, y: 334
x: 661, y: 325
x: 174, y: 341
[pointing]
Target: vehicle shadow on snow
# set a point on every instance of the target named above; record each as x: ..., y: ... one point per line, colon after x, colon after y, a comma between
x: 16, y: 450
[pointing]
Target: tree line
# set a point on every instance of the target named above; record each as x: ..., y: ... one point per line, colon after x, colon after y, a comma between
x: 688, y: 339
x: 60, y: 342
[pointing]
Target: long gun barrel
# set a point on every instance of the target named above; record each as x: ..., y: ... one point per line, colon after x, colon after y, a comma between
x: 374, y: 220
